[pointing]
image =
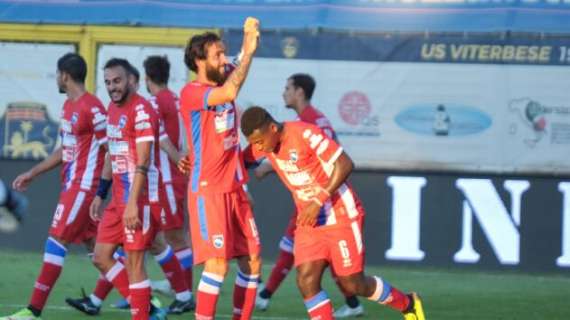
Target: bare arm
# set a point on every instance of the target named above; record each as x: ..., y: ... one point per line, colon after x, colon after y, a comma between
x: 23, y: 180
x: 343, y: 166
x: 107, y: 172
x: 229, y: 91
x: 167, y: 146
x: 131, y: 219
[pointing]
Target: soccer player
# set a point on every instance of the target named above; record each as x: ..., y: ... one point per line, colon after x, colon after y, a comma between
x: 165, y: 102
x: 299, y: 90
x: 163, y: 253
x: 330, y: 216
x: 133, y: 216
x: 221, y: 220
x: 81, y: 154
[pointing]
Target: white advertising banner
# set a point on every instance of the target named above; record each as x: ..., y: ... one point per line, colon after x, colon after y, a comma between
x: 30, y: 102
x: 435, y: 116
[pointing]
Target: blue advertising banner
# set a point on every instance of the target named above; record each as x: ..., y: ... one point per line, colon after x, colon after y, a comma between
x: 482, y: 48
x: 361, y: 15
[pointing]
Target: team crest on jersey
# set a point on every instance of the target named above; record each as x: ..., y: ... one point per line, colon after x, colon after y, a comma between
x: 122, y: 121
x: 293, y: 155
x: 218, y: 240
x: 74, y: 118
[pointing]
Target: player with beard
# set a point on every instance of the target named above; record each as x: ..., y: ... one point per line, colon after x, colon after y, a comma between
x: 81, y: 155
x: 221, y: 220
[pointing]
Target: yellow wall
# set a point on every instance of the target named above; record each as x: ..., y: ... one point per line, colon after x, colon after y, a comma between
x: 88, y: 38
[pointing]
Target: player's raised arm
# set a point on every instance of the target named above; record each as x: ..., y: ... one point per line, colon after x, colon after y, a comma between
x: 230, y: 89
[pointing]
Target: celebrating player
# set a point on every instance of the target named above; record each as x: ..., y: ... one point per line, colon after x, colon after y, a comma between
x: 133, y: 217
x: 221, y: 221
x: 330, y: 216
x: 298, y: 92
x: 82, y: 133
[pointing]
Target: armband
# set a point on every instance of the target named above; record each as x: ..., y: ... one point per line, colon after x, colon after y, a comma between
x: 103, y: 189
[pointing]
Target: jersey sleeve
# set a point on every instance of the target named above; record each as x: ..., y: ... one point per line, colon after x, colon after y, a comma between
x: 194, y: 97
x: 98, y: 117
x: 146, y: 123
x: 325, y: 148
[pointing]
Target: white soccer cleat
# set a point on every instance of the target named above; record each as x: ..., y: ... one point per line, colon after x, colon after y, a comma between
x: 346, y: 311
x: 163, y: 287
x: 261, y: 304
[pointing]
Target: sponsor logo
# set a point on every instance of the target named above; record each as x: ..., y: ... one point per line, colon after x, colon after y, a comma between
x: 355, y: 110
x: 290, y: 47
x: 27, y: 132
x: 535, y: 122
x: 443, y: 120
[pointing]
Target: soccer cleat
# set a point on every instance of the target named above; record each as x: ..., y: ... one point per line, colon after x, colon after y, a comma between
x: 84, y: 304
x: 346, y: 311
x: 124, y: 304
x: 416, y: 311
x: 157, y: 313
x: 24, y: 314
x: 261, y: 303
x: 162, y: 287
x: 180, y: 307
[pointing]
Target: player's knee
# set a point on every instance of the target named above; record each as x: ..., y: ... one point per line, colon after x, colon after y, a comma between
x: 158, y: 245
x: 102, y: 261
x: 217, y: 266
x: 176, y: 239
x: 250, y: 264
x: 308, y: 283
x: 353, y: 285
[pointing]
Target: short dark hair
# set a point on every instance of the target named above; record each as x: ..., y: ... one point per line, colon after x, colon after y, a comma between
x: 135, y: 72
x: 305, y: 82
x: 74, y: 65
x: 254, y: 118
x: 119, y: 62
x: 157, y: 69
x: 196, y: 48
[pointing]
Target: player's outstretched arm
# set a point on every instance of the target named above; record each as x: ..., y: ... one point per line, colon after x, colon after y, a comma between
x: 229, y: 91
x: 22, y: 181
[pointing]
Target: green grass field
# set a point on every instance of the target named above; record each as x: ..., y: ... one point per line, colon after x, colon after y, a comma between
x: 446, y: 294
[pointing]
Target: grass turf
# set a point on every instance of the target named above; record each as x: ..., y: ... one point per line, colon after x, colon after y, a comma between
x: 446, y: 294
